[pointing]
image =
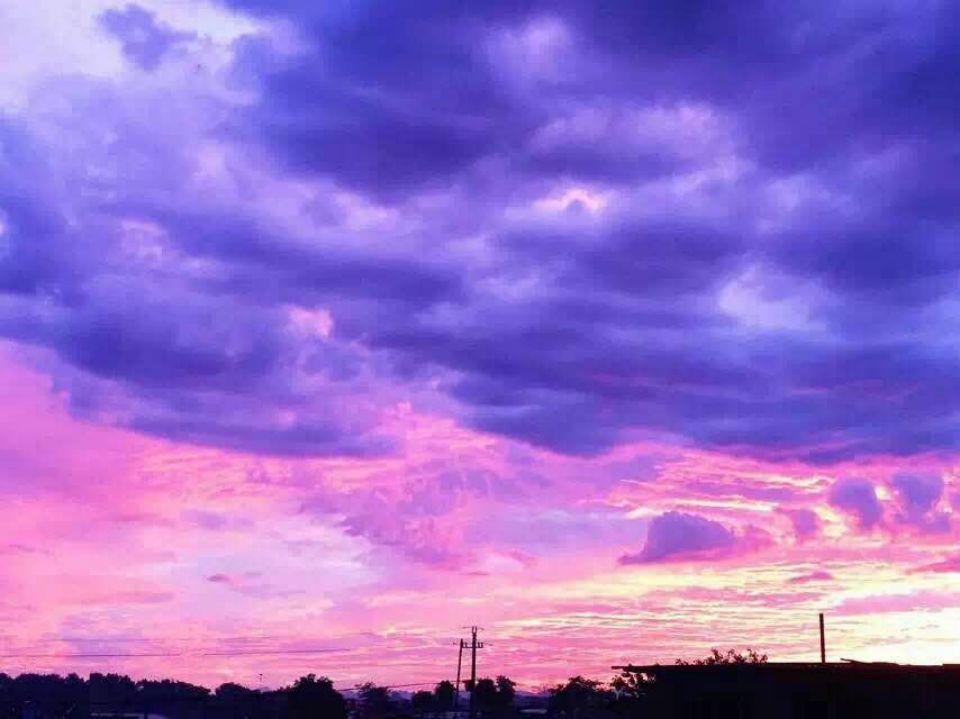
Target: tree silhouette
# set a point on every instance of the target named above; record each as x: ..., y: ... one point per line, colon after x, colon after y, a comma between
x: 506, y: 692
x: 229, y: 691
x: 731, y: 656
x: 312, y: 697
x: 374, y: 701
x: 235, y: 700
x: 112, y: 688
x: 422, y: 702
x: 578, y: 697
x: 494, y: 697
x: 629, y: 692
x: 44, y: 694
x: 485, y: 695
x: 444, y: 694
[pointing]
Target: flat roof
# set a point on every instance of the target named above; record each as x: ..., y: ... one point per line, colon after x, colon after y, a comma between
x: 786, y: 666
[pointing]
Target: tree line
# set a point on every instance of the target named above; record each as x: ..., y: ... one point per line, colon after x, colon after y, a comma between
x: 43, y: 696
x: 310, y: 697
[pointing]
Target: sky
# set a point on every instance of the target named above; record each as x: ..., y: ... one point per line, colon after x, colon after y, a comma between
x: 622, y: 330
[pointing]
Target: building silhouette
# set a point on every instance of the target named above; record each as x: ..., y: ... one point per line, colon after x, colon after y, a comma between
x: 845, y: 690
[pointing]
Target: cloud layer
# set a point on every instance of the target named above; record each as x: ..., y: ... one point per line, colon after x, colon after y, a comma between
x: 568, y: 215
x: 461, y: 302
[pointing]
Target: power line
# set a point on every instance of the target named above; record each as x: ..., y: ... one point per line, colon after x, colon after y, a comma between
x: 415, y: 684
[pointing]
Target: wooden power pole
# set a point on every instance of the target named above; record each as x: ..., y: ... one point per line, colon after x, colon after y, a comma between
x: 474, y: 646
x: 456, y: 699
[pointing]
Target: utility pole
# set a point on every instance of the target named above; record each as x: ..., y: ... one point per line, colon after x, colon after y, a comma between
x: 474, y: 646
x: 823, y: 642
x: 456, y: 699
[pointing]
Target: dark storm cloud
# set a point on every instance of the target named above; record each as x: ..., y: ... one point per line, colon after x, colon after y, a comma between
x: 771, y: 268
x: 126, y: 338
x: 266, y: 264
x: 802, y: 93
x: 387, y: 99
x: 35, y: 250
x: 409, y: 91
x: 211, y: 373
x: 144, y: 41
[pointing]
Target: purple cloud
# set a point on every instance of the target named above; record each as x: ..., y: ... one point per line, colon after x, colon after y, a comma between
x: 918, y: 496
x: 917, y: 493
x: 806, y: 522
x: 399, y: 171
x: 144, y: 40
x: 678, y: 536
x: 857, y: 498
x: 615, y: 280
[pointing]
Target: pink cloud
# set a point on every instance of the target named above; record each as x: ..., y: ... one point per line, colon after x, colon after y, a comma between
x: 819, y: 575
x: 948, y: 565
x: 181, y: 550
x: 922, y: 600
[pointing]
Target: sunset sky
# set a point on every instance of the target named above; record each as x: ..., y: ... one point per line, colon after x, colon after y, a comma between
x: 622, y: 329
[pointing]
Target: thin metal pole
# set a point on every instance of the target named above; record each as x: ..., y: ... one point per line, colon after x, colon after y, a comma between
x: 823, y: 642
